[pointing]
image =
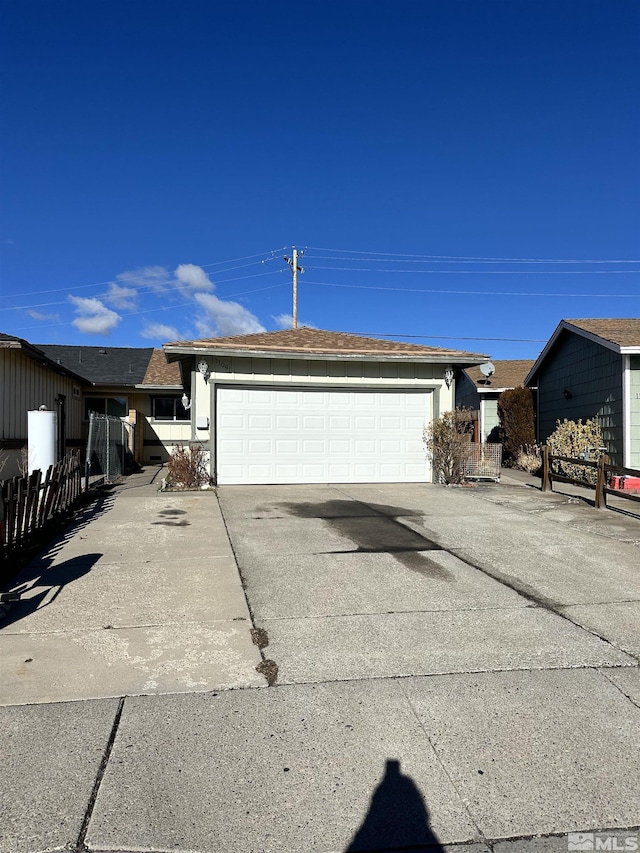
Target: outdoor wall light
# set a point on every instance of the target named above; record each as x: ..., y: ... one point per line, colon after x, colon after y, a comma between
x: 448, y: 376
x: 203, y: 367
x: 567, y: 394
x: 186, y: 403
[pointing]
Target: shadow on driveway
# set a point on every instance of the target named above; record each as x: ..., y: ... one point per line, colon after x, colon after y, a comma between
x: 49, y: 582
x: 397, y: 818
x: 375, y: 530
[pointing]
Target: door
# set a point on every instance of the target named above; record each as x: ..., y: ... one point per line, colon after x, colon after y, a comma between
x: 284, y: 435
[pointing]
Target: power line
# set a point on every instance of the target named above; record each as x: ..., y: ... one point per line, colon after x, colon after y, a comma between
x: 475, y: 262
x: 144, y: 311
x: 451, y: 338
x: 146, y: 291
x: 474, y: 292
x: 137, y: 276
x: 481, y: 272
x: 477, y: 259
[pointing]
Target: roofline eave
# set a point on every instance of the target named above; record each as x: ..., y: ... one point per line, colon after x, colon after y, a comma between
x: 150, y: 387
x: 462, y: 360
x: 591, y: 336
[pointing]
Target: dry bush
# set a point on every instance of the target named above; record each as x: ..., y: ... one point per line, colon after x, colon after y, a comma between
x: 529, y: 459
x: 188, y: 468
x: 447, y: 441
x: 576, y: 439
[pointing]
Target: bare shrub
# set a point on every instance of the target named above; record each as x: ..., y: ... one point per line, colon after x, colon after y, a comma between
x: 529, y: 459
x: 447, y: 441
x: 577, y: 440
x: 188, y: 468
x: 23, y: 462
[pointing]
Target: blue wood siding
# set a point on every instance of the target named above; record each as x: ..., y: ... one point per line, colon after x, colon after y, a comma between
x: 592, y: 375
x: 466, y: 394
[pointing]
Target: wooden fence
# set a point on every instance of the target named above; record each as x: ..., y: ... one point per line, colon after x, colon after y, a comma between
x: 29, y: 503
x: 604, y: 472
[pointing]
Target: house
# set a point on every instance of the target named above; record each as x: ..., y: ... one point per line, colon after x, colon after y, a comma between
x: 480, y: 392
x: 311, y: 406
x: 591, y: 368
x: 30, y: 379
x: 133, y: 383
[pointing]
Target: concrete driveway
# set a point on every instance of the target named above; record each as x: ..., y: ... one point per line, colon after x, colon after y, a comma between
x: 502, y: 627
x: 458, y: 670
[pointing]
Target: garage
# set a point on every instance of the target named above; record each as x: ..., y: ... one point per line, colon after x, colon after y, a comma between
x: 285, y: 435
x: 306, y: 405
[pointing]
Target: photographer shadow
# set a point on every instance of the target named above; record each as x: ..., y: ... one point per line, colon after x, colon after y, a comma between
x: 397, y: 817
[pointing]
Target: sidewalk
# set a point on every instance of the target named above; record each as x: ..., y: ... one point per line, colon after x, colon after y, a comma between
x: 141, y: 595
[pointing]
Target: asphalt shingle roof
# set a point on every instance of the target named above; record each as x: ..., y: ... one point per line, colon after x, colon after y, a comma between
x: 307, y: 340
x: 624, y: 332
x: 160, y: 372
x: 102, y: 365
x: 508, y: 374
x: 38, y: 355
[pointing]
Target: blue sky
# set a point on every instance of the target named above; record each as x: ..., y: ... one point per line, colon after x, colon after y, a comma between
x: 454, y: 169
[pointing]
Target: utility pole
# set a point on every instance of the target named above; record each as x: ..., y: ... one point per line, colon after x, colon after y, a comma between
x: 295, y: 269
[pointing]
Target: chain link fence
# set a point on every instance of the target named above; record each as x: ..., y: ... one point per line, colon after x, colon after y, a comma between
x: 109, y: 448
x: 482, y: 462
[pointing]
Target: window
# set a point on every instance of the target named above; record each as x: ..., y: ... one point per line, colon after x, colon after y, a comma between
x: 114, y: 406
x: 168, y: 409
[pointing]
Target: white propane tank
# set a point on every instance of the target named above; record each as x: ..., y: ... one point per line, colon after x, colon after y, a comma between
x: 42, y: 435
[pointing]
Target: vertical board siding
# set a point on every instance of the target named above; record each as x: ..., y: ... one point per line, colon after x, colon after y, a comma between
x: 592, y: 374
x: 25, y: 386
x: 634, y: 410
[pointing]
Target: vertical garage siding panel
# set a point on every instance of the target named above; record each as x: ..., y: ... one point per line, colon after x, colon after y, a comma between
x: 634, y: 410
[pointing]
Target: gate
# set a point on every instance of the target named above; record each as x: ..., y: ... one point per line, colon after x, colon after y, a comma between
x: 109, y: 448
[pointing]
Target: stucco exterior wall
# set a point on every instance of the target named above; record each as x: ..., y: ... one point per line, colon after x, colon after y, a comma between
x: 593, y: 377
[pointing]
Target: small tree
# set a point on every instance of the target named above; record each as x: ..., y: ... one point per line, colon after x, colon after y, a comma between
x: 517, y: 423
x: 447, y: 440
x: 576, y: 439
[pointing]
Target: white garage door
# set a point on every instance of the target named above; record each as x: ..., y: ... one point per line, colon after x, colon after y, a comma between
x: 321, y: 436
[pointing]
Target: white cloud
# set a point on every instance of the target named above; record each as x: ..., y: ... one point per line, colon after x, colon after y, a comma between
x: 204, y: 328
x: 38, y: 315
x: 228, y: 318
x: 121, y: 297
x: 151, y: 278
x: 285, y: 321
x: 93, y: 316
x: 159, y: 332
x: 194, y: 277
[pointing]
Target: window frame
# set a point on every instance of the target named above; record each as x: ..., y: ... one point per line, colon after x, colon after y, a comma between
x: 175, y: 419
x: 88, y: 401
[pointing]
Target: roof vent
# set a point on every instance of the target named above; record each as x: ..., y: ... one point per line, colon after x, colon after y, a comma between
x: 102, y: 351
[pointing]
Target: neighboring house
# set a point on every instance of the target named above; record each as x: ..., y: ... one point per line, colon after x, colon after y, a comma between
x: 591, y: 368
x: 310, y: 406
x: 480, y: 393
x: 133, y: 383
x: 30, y: 379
